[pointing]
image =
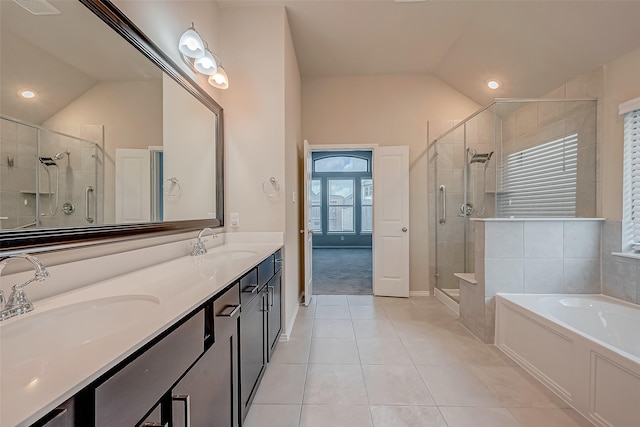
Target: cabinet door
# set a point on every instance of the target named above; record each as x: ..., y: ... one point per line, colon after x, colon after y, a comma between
x: 252, y: 349
x: 275, y: 310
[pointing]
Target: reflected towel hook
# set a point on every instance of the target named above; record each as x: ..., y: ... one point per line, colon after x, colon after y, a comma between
x: 173, y: 189
x: 271, y: 187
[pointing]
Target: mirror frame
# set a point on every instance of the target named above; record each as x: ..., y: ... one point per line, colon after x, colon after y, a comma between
x: 71, y: 237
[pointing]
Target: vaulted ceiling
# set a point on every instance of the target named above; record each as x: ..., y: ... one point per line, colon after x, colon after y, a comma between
x: 531, y: 47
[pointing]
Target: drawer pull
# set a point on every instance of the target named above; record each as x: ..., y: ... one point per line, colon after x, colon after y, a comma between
x: 184, y: 398
x: 229, y: 311
x: 153, y: 424
x: 251, y: 289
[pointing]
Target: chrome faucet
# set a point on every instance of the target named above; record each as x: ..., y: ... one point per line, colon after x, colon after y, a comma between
x: 199, y: 248
x: 18, y: 303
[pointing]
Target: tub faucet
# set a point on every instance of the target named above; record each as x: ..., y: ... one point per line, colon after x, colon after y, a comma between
x: 199, y: 248
x: 18, y: 303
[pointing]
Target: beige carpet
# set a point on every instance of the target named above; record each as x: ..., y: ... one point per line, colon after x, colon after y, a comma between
x: 342, y: 272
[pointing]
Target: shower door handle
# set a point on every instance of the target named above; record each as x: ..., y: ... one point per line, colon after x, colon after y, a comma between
x: 443, y: 196
x: 87, y: 191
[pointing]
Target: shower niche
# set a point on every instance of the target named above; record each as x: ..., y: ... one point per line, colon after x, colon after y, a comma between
x: 513, y: 158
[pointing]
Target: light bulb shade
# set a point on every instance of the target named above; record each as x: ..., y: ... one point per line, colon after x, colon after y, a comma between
x: 206, y: 64
x: 219, y: 79
x: 191, y: 44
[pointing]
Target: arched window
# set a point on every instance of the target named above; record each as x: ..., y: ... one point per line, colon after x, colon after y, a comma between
x: 341, y: 164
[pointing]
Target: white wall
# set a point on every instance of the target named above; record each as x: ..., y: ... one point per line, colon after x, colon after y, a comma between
x: 138, y: 126
x: 293, y: 152
x: 386, y: 110
x: 253, y: 47
x: 262, y: 129
x: 189, y: 154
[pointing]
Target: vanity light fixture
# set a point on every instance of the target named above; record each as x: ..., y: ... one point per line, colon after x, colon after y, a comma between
x: 27, y: 93
x: 493, y: 84
x: 197, y: 55
x: 191, y: 45
x: 219, y: 79
x: 206, y: 64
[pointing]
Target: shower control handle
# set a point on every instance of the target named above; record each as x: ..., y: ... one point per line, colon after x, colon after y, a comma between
x: 443, y: 195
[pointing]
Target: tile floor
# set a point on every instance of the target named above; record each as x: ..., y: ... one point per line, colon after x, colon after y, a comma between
x: 364, y: 361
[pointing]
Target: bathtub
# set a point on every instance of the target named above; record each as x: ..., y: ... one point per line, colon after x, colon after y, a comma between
x: 585, y: 348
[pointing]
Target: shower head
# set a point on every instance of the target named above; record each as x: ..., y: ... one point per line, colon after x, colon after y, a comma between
x: 60, y: 156
x: 48, y: 161
x: 481, y: 158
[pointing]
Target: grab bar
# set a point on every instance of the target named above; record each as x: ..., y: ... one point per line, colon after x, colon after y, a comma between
x: 443, y: 193
x: 88, y: 190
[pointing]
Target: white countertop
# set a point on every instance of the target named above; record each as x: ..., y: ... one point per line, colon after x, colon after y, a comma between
x: 36, y: 375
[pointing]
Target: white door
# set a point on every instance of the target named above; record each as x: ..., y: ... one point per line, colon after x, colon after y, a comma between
x: 391, y: 221
x: 133, y: 185
x: 307, y: 231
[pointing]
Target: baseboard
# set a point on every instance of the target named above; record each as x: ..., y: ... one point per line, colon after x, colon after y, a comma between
x: 451, y: 304
x: 419, y: 293
x: 286, y: 334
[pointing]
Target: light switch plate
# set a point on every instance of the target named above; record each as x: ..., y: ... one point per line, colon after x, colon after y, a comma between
x: 234, y: 218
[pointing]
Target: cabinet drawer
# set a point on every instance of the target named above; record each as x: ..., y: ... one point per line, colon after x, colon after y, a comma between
x: 226, y: 309
x: 265, y: 271
x: 249, y: 286
x: 62, y: 416
x: 128, y: 395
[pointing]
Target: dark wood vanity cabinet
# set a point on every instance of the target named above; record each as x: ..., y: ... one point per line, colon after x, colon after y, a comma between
x: 207, y: 396
x: 203, y: 372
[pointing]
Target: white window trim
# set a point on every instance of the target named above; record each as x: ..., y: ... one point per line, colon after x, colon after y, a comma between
x: 631, y: 182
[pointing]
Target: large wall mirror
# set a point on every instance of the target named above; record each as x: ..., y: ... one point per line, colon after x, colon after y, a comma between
x: 101, y: 135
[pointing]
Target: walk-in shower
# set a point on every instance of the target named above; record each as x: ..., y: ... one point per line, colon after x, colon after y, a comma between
x: 513, y: 158
x: 49, y: 178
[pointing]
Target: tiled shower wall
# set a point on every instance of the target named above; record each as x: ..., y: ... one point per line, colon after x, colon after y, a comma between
x: 620, y: 275
x: 18, y: 150
x: 533, y: 257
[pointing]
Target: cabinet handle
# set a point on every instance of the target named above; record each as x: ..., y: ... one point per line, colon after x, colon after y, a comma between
x: 153, y: 424
x: 272, y: 295
x: 229, y: 311
x: 184, y: 398
x: 251, y: 289
x: 279, y: 261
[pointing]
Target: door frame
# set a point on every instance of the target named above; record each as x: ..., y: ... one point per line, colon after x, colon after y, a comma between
x: 347, y: 147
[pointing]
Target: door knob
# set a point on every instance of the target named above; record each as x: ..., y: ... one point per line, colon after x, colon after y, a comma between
x: 404, y: 229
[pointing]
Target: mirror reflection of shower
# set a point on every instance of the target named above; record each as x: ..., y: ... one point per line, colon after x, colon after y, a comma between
x: 50, y: 162
x: 482, y: 159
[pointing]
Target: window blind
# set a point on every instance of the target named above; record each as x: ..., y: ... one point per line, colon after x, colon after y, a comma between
x: 540, y: 181
x: 632, y: 178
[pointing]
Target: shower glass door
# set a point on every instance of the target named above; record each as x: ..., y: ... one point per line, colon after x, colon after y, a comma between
x: 450, y: 223
x: 464, y: 188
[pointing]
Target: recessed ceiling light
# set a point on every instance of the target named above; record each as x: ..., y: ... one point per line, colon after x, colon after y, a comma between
x: 493, y: 84
x: 27, y: 93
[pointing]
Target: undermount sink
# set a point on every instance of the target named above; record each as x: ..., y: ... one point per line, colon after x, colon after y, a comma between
x: 30, y: 342
x: 230, y: 255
